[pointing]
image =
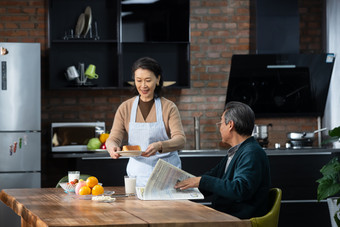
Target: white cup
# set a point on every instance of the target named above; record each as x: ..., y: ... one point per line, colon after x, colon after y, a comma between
x: 73, y: 175
x: 72, y: 73
x: 130, y: 185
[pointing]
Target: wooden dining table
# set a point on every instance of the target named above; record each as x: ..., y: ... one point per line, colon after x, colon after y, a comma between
x: 42, y: 207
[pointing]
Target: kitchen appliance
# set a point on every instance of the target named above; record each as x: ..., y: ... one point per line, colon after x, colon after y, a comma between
x: 20, y: 121
x: 260, y: 133
x: 281, y: 85
x: 302, y: 139
x: 74, y: 136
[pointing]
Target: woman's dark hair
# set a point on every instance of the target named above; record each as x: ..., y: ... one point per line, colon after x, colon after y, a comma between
x: 242, y: 116
x: 152, y: 65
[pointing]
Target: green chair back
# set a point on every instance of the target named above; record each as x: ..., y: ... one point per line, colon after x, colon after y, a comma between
x: 65, y: 179
x: 271, y: 219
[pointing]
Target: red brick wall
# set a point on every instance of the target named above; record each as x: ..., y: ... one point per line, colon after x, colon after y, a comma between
x: 219, y: 29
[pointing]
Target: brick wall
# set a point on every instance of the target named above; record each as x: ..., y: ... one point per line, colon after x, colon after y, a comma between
x: 219, y: 29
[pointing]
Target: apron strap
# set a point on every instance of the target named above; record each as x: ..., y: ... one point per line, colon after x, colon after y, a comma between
x: 158, y: 106
x: 133, y: 114
x: 159, y: 112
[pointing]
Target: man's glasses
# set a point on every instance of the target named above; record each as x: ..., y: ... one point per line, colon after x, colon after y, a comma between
x: 218, y: 124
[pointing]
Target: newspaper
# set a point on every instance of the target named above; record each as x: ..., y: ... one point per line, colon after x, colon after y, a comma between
x: 160, y: 185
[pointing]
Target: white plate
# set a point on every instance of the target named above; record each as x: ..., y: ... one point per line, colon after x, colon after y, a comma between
x: 80, y: 25
x: 89, y: 197
x: 88, y: 20
x: 130, y: 153
x: 103, y: 199
x: 165, y: 83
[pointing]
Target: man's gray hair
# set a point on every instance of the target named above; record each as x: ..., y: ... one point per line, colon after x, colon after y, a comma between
x: 242, y: 116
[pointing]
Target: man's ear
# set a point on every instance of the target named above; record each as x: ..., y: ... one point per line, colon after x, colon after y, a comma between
x: 231, y: 125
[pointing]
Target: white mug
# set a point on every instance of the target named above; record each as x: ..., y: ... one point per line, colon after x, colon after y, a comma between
x: 72, y: 73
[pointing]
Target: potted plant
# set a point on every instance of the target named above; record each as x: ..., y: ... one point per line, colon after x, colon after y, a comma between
x: 329, y: 183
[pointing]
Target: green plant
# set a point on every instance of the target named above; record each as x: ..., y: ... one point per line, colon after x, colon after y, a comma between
x: 329, y: 183
x: 334, y: 135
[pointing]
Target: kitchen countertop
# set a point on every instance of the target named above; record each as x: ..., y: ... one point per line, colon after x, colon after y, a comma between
x: 204, y: 153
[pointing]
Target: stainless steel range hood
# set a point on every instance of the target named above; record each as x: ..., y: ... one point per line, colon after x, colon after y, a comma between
x: 277, y: 85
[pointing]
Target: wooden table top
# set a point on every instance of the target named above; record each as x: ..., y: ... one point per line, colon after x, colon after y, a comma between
x: 54, y: 207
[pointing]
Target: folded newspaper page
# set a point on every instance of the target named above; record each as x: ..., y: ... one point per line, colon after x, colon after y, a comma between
x: 160, y: 185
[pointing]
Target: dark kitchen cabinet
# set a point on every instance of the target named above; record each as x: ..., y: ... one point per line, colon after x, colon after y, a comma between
x: 120, y: 32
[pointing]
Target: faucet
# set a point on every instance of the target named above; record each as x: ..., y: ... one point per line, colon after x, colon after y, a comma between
x: 197, y: 131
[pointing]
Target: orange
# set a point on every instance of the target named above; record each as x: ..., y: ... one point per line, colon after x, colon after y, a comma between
x: 97, y: 190
x: 91, y: 182
x: 85, y: 190
x: 103, y: 137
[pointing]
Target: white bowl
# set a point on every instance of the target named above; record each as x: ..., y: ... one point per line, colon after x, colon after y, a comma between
x: 68, y: 187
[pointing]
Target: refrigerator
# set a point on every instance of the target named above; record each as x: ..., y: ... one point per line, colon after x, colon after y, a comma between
x: 20, y: 121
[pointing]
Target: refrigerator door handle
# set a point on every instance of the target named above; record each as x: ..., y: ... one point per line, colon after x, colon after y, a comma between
x: 3, y: 75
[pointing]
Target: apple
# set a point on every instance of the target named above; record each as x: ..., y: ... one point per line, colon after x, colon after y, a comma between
x: 79, y: 185
x: 103, y: 146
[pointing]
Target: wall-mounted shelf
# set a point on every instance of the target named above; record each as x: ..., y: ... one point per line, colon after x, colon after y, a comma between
x: 120, y: 33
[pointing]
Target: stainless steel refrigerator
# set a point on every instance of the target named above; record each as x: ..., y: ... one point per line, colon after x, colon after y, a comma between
x: 20, y: 121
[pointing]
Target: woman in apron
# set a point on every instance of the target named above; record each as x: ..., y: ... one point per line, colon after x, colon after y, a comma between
x: 150, y: 121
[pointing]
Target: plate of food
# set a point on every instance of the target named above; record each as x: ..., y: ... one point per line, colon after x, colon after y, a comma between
x: 130, y: 151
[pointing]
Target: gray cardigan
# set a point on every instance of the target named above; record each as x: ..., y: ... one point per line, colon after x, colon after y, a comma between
x: 243, y: 190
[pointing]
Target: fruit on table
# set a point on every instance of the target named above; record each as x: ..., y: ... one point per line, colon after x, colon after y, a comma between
x: 103, y: 146
x: 94, y: 143
x: 80, y: 184
x: 85, y: 190
x: 91, y: 181
x: 97, y: 190
x: 103, y: 137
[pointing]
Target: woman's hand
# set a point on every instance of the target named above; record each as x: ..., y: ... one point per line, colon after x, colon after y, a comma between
x: 192, y: 182
x: 151, y: 150
x: 113, y: 152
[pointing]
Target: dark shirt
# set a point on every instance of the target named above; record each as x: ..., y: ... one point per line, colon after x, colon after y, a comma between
x: 145, y: 107
x: 242, y: 190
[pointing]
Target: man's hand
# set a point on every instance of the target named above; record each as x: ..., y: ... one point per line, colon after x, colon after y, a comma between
x: 192, y: 182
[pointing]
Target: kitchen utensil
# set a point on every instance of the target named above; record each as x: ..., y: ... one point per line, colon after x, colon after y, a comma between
x: 81, y: 80
x: 96, y: 31
x: 261, y: 131
x: 88, y: 21
x: 71, y: 73
x: 91, y: 72
x: 303, y: 135
x: 80, y: 25
x: 130, y: 153
x: 165, y: 83
x: 302, y: 139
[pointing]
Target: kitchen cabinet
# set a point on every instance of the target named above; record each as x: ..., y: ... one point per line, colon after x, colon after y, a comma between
x: 120, y: 32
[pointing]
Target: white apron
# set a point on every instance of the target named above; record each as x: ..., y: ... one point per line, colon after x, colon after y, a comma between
x: 144, y: 134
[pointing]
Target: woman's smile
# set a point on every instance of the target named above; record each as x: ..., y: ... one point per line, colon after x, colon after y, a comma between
x: 146, y: 82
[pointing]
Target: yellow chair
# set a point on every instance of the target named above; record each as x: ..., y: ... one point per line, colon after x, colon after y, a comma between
x: 271, y: 219
x: 65, y: 179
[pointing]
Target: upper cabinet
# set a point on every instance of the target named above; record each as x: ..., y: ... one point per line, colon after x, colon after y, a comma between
x: 111, y: 35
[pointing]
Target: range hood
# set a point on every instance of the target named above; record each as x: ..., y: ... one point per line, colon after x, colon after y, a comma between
x: 277, y: 85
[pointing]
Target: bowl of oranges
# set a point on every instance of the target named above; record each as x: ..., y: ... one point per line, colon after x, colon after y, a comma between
x: 90, y: 187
